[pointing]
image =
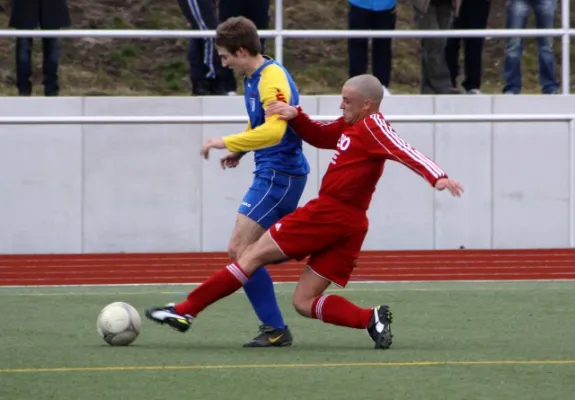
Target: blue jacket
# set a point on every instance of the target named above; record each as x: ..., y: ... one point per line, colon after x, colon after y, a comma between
x: 374, y: 5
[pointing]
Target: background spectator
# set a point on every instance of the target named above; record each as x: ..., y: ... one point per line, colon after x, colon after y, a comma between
x: 473, y: 14
x: 432, y: 15
x: 47, y: 14
x: 517, y: 14
x: 371, y: 15
x: 256, y: 10
x: 206, y: 71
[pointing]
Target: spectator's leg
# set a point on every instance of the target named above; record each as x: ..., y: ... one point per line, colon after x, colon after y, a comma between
x: 435, y: 74
x: 477, y: 12
x: 24, y: 66
x: 453, y: 44
x: 259, y: 12
x: 358, y: 19
x: 206, y: 16
x: 229, y: 8
x: 423, y: 21
x: 381, y: 48
x: 50, y: 63
x: 517, y: 13
x: 544, y: 18
x: 200, y: 53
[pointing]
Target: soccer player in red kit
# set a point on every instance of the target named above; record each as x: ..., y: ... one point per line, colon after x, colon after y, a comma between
x: 330, y: 229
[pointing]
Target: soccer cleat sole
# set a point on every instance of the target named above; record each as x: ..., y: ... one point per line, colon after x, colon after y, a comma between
x: 385, y: 339
x: 271, y: 338
x: 268, y: 344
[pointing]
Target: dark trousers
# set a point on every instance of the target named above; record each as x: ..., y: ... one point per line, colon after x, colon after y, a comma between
x: 205, y: 63
x: 258, y: 11
x: 434, y: 71
x: 50, y: 62
x: 473, y: 14
x: 363, y: 19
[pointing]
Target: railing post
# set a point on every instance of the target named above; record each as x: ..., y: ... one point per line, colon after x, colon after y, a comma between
x: 572, y: 183
x: 279, y: 26
x: 565, y: 48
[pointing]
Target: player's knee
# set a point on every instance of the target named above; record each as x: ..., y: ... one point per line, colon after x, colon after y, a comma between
x: 302, y: 305
x: 232, y: 252
x: 250, y: 258
x: 249, y: 252
x: 236, y: 248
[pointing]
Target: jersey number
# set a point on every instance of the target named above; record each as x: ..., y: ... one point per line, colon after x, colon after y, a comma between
x: 342, y: 144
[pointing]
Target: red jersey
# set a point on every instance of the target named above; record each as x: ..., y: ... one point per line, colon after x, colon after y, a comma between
x: 361, y: 150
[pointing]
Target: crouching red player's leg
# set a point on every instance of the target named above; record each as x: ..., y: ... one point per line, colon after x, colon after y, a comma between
x: 308, y: 300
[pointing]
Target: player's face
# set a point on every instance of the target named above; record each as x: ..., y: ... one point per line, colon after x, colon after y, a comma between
x: 236, y: 61
x: 353, y: 105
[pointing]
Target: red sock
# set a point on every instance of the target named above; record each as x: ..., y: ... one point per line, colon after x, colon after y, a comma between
x: 221, y: 284
x: 337, y: 310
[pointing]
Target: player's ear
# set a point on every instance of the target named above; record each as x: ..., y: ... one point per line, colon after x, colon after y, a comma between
x: 367, y: 104
x: 241, y: 52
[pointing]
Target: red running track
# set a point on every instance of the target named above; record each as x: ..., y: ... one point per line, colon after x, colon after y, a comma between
x: 97, y: 269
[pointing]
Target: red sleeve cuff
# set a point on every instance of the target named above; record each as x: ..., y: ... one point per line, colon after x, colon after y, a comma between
x: 438, y: 178
x: 299, y: 113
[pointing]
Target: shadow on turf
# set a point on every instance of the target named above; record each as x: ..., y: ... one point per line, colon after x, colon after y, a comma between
x: 411, y: 344
x: 213, y: 346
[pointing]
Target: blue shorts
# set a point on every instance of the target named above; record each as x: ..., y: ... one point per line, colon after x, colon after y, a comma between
x: 272, y: 196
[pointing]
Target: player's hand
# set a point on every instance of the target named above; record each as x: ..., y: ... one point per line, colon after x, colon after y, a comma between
x: 230, y: 160
x: 282, y: 110
x: 211, y: 144
x: 454, y: 187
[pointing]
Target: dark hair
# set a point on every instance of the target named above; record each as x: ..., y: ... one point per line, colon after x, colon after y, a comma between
x: 237, y: 33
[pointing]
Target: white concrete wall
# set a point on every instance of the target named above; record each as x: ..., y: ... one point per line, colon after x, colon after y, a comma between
x: 144, y: 188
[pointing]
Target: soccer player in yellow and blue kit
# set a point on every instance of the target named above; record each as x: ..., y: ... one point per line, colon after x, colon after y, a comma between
x: 280, y: 175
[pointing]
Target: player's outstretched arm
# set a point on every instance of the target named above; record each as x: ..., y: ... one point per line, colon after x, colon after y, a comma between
x: 266, y: 135
x: 318, y: 134
x: 282, y: 110
x: 231, y: 160
x: 454, y: 187
x: 383, y: 141
x: 270, y: 133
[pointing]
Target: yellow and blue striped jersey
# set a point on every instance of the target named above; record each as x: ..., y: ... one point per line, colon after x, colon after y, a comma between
x: 275, y: 144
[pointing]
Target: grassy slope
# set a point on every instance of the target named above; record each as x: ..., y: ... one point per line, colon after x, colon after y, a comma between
x: 158, y: 67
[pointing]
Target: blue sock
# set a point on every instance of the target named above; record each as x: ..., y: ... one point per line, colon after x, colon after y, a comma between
x: 260, y: 290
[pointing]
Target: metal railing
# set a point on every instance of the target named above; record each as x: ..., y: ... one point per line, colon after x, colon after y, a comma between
x: 111, y: 120
x: 279, y: 34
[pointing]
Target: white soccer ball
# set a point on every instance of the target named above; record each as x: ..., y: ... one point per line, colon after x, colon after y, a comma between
x: 119, y: 324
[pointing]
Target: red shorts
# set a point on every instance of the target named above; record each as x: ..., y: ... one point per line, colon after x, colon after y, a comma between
x: 328, y: 231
